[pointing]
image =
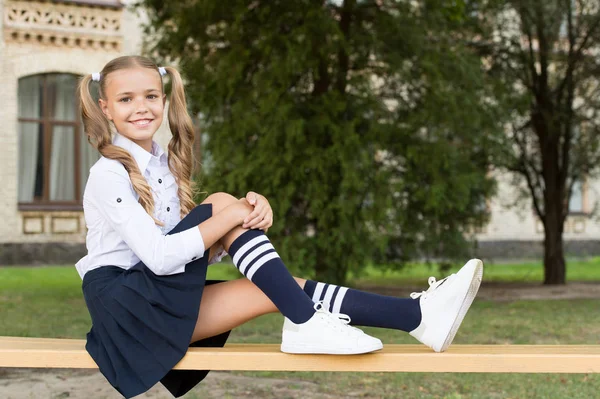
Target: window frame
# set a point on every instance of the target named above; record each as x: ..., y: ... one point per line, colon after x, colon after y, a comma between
x: 584, y: 201
x: 48, y: 122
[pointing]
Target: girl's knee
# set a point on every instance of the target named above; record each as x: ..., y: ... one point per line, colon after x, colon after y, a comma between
x: 217, y: 198
x: 219, y: 201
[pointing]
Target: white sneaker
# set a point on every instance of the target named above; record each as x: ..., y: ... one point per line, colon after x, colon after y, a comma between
x: 445, y: 304
x: 326, y: 333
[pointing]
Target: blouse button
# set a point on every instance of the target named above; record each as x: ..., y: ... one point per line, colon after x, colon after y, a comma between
x: 168, y: 209
x: 159, y: 181
x: 118, y: 199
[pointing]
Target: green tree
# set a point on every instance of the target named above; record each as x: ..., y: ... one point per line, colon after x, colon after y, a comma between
x: 361, y: 121
x: 545, y: 54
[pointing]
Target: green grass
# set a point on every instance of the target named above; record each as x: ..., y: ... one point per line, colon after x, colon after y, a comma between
x: 47, y: 302
x: 577, y: 270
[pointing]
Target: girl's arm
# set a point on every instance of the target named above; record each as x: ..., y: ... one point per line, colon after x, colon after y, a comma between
x: 223, y: 222
x: 109, y: 194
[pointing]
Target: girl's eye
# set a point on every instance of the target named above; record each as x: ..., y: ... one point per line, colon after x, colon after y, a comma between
x: 152, y: 97
x: 125, y: 100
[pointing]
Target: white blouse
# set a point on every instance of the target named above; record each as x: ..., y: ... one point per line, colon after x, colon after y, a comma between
x: 120, y: 232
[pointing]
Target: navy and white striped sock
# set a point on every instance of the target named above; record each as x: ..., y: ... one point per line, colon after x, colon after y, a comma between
x: 367, y: 309
x: 254, y: 256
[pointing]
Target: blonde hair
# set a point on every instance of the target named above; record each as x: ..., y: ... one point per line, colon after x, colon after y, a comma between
x: 98, y: 131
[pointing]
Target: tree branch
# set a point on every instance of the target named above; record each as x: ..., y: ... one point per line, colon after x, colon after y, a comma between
x: 529, y: 62
x: 527, y: 169
x: 575, y: 55
x: 542, y: 50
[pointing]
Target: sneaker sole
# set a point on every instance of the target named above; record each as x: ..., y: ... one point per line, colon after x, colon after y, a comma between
x: 313, y: 350
x: 466, y: 304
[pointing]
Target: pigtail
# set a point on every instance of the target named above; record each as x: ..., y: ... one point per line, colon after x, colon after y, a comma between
x: 95, y: 124
x: 97, y: 128
x: 181, y: 145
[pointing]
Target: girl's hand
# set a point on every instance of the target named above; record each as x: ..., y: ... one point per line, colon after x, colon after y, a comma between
x: 262, y: 216
x: 241, y: 209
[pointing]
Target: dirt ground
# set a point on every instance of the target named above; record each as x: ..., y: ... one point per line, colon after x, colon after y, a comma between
x: 90, y: 384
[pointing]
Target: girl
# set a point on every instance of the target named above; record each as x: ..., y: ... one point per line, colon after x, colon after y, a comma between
x: 149, y: 245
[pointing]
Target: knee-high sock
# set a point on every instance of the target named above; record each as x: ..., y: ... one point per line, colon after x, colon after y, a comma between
x: 254, y: 256
x: 367, y: 309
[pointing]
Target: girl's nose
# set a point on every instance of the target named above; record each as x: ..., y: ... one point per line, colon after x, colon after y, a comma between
x: 141, y: 108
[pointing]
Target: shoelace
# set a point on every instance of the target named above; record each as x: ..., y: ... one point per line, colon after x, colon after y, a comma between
x: 340, y: 321
x: 433, y: 284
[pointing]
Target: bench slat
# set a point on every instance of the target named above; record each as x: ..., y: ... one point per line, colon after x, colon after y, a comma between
x: 70, y: 353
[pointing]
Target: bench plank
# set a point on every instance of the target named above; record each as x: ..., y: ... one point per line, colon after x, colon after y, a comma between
x: 70, y: 353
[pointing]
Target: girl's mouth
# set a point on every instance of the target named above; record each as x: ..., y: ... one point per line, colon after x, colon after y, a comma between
x: 142, y: 122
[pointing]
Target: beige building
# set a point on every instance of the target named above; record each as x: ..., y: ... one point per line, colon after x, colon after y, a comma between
x: 514, y: 231
x: 45, y: 46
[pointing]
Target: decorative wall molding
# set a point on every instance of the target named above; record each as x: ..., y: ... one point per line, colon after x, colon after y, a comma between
x: 53, y: 223
x: 33, y: 224
x: 62, y: 25
x: 64, y: 224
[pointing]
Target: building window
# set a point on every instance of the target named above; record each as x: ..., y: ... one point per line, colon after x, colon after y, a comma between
x: 54, y: 156
x: 577, y: 201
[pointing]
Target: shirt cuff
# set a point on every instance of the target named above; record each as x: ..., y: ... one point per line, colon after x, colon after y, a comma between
x: 193, y: 243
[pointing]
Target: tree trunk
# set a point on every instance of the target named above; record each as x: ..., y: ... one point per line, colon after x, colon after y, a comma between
x: 553, y: 189
x: 554, y: 258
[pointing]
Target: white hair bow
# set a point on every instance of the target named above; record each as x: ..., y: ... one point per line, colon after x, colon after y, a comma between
x: 96, y: 75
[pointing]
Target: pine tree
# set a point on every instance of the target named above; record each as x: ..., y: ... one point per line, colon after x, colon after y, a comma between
x: 361, y: 121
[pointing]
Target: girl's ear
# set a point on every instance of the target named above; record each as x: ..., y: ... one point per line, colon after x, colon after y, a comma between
x: 104, y: 108
x: 164, y: 99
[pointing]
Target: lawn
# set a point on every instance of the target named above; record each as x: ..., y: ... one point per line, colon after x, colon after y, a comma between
x: 577, y: 270
x: 47, y: 302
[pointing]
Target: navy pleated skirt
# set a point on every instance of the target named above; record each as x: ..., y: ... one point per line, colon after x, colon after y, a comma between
x: 142, y: 323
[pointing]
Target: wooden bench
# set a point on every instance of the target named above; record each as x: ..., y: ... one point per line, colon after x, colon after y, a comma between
x: 70, y: 353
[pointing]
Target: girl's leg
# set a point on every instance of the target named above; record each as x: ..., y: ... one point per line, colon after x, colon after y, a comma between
x: 256, y: 258
x: 366, y: 308
x: 221, y: 309
x: 308, y: 328
x: 432, y: 316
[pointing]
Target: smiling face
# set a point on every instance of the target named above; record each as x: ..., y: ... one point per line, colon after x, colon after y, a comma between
x: 134, y: 101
